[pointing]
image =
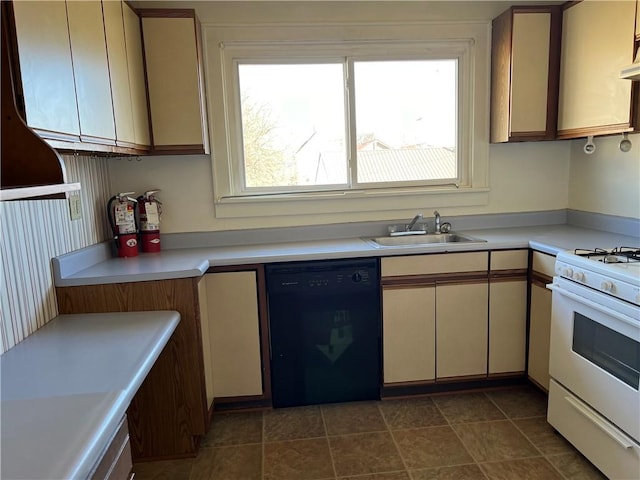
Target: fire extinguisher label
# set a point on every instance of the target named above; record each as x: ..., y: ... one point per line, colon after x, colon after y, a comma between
x: 153, y: 216
x: 125, y: 218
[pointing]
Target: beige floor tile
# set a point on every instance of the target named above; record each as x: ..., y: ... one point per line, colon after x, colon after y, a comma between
x: 543, y: 436
x: 307, y: 459
x: 341, y: 419
x: 234, y: 429
x: 169, y: 470
x: 520, y: 402
x: 411, y: 413
x: 364, y: 453
x: 574, y: 466
x: 524, y: 469
x: 494, y: 441
x: 459, y: 472
x: 380, y: 476
x: 430, y: 447
x: 293, y: 423
x: 238, y: 462
x: 469, y: 407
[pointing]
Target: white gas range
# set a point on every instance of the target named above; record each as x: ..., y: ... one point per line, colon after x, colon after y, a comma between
x: 594, y: 363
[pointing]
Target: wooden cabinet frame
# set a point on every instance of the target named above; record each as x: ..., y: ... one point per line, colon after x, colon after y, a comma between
x: 502, y: 75
x: 169, y: 412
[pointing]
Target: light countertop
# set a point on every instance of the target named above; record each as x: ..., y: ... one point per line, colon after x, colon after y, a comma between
x: 194, y: 262
x: 66, y: 387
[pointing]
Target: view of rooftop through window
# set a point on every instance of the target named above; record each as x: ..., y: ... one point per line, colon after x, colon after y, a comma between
x: 295, y: 123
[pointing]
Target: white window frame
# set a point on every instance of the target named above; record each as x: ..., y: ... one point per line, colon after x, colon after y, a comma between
x: 228, y: 45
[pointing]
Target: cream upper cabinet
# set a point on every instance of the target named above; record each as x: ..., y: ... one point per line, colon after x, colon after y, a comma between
x: 234, y: 333
x: 409, y: 333
x: 135, y: 64
x: 524, y: 74
x: 597, y: 40
x: 91, y: 71
x: 118, y: 72
x: 46, y: 68
x: 174, y: 76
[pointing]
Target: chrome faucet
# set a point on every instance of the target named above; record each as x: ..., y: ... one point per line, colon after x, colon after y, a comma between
x: 437, y: 221
x: 413, y: 222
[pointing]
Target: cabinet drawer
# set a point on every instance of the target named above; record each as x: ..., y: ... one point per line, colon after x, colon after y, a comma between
x: 596, y: 438
x: 509, y: 260
x: 115, y: 463
x: 439, y: 263
x: 543, y: 263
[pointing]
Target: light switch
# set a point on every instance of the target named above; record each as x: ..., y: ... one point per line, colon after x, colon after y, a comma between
x: 75, y: 207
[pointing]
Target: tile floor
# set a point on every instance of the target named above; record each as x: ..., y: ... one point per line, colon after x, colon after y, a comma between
x: 496, y: 434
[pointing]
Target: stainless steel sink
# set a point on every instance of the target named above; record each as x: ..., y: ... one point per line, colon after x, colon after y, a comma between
x: 417, y: 240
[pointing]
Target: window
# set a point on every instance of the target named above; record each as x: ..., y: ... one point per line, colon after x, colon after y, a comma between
x: 295, y: 128
x: 354, y: 125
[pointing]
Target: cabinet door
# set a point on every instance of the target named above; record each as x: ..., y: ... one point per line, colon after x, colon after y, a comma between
x: 46, y: 67
x: 597, y: 39
x: 205, y: 326
x: 461, y: 330
x: 234, y: 333
x: 173, y: 76
x: 118, y: 72
x: 539, y: 328
x: 137, y: 82
x: 408, y: 322
x: 91, y: 71
x: 507, y: 325
x: 524, y: 79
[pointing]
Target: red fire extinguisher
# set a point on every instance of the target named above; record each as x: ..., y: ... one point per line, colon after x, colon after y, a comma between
x: 122, y: 219
x: 149, y: 211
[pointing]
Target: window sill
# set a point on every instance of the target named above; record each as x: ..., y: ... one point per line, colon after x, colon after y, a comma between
x: 347, y: 202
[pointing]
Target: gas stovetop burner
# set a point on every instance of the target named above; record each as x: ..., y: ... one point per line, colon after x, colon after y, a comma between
x: 614, y: 255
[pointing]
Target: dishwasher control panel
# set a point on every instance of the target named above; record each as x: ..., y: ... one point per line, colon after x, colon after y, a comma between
x: 323, y: 276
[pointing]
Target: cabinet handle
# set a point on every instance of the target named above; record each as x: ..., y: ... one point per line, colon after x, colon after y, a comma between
x: 598, y: 422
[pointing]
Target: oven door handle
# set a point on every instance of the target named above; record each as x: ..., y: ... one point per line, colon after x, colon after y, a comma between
x: 583, y: 410
x: 596, y: 306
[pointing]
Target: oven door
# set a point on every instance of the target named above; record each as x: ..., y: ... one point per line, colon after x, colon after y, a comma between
x: 595, y: 351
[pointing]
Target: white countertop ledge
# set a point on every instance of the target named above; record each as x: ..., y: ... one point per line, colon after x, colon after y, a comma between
x: 72, y: 269
x: 65, y: 388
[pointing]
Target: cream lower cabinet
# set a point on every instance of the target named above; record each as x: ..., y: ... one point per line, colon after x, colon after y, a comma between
x: 461, y: 329
x: 539, y: 329
x: 508, y: 311
x: 540, y: 319
x: 434, y: 316
x: 409, y: 328
x: 234, y: 333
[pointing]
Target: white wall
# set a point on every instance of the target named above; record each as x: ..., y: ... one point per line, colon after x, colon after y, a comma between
x: 607, y: 181
x: 523, y: 177
x: 34, y: 231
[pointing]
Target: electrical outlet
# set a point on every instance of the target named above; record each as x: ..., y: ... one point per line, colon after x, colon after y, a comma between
x: 75, y: 207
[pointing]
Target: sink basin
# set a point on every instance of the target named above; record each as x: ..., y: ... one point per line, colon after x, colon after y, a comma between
x: 417, y: 240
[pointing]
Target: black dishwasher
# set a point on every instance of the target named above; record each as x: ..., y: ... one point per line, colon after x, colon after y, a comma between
x: 324, y: 320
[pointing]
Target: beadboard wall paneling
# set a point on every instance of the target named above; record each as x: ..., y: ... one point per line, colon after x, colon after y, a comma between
x: 34, y: 231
